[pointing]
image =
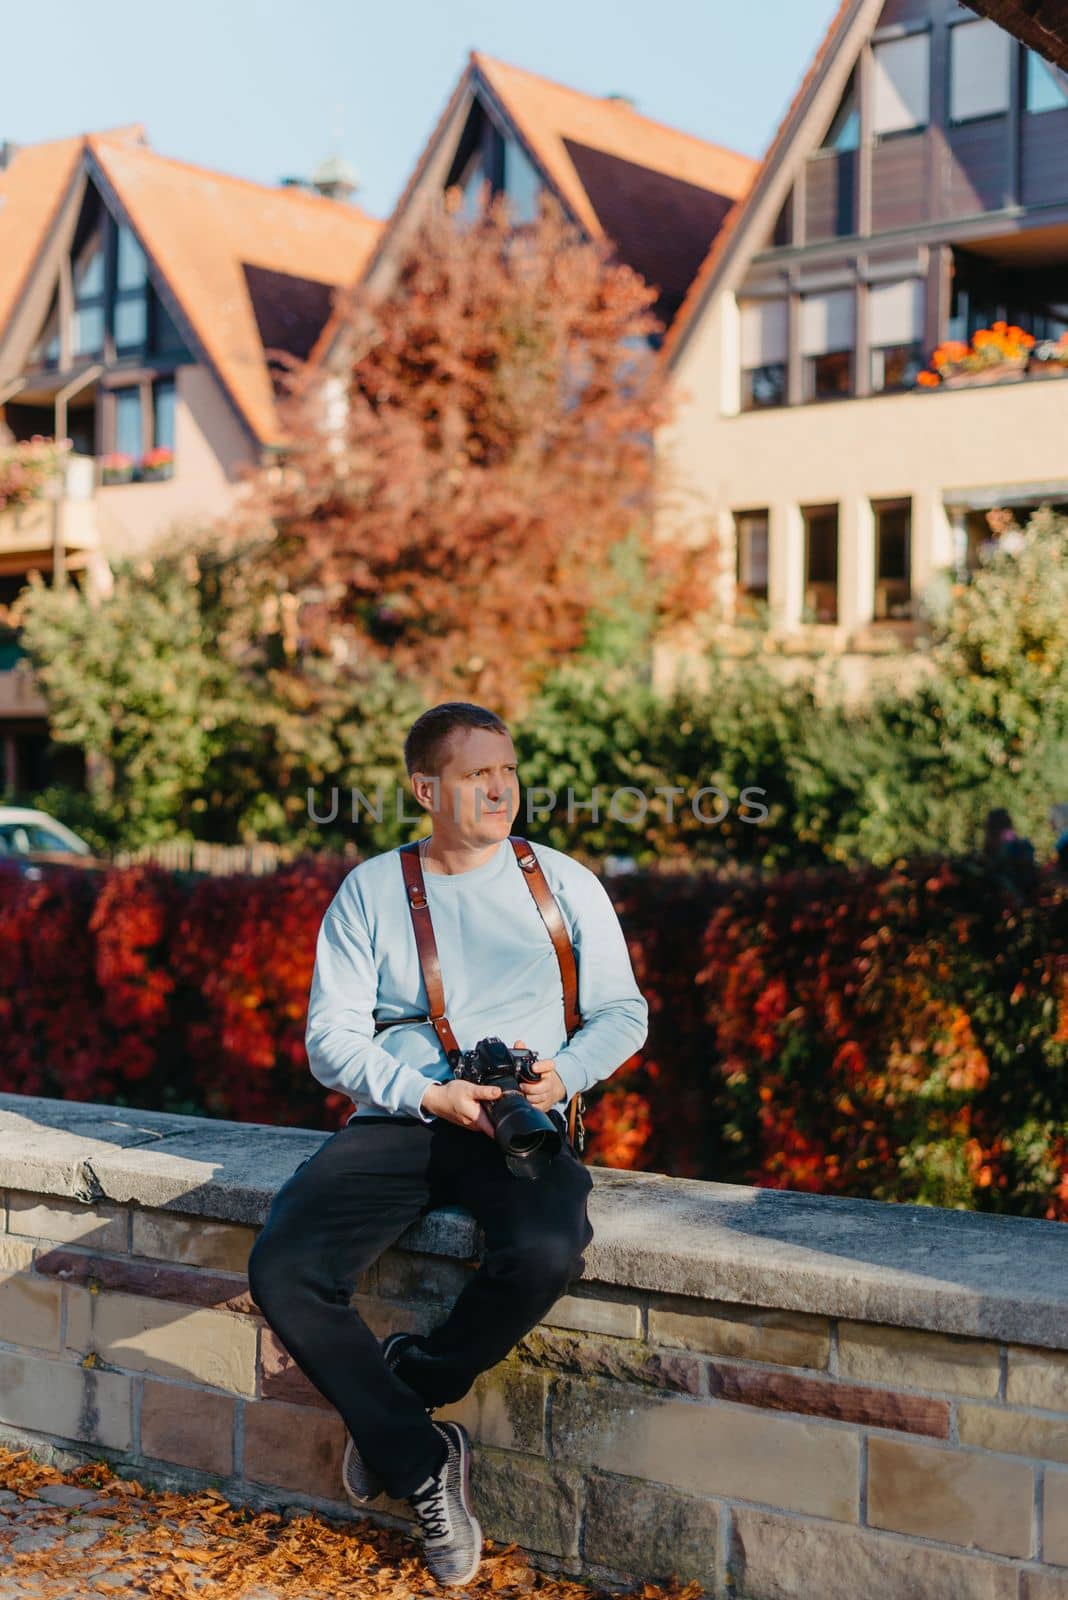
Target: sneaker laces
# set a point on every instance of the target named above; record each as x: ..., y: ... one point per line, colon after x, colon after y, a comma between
x: 430, y: 1506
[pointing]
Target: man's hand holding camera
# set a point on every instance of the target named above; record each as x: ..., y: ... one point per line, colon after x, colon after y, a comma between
x: 458, y: 1101
x: 549, y: 1089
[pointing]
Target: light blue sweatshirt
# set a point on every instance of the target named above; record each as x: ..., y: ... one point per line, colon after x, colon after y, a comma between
x: 498, y: 968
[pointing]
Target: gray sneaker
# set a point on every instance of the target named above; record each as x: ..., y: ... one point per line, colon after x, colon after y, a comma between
x: 361, y: 1483
x: 452, y: 1539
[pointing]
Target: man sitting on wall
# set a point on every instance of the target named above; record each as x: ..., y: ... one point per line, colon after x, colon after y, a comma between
x: 421, y: 1137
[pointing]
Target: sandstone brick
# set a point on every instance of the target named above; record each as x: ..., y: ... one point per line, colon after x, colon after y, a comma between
x: 102, y: 1224
x: 504, y: 1407
x: 281, y: 1378
x: 596, y: 1313
x: 1037, y: 1378
x: 950, y: 1495
x: 1015, y: 1433
x: 186, y: 1285
x: 1055, y: 1518
x: 532, y: 1503
x: 708, y: 1448
x: 750, y: 1332
x: 211, y: 1347
x: 16, y: 1255
x: 787, y: 1558
x: 294, y: 1447
x: 633, y: 1527
x: 626, y: 1360
x: 65, y: 1399
x: 406, y: 1275
x: 1043, y: 1585
x: 822, y: 1397
x: 910, y: 1359
x: 30, y: 1310
x: 195, y: 1241
x: 193, y: 1427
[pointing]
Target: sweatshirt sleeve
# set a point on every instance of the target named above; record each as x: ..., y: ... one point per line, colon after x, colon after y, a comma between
x: 339, y: 1037
x: 615, y: 1014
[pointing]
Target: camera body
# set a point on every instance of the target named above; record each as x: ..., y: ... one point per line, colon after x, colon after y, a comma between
x: 528, y: 1138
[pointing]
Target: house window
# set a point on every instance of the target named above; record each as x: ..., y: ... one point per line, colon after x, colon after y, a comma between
x: 844, y: 131
x: 764, y: 343
x: 521, y: 183
x: 901, y: 83
x: 131, y: 293
x: 144, y: 418
x: 129, y: 427
x: 164, y: 400
x: 1046, y: 86
x: 751, y: 543
x: 827, y: 332
x: 45, y: 352
x: 895, y: 333
x: 89, y: 300
x: 821, y: 562
x: 893, y: 559
x: 978, y: 70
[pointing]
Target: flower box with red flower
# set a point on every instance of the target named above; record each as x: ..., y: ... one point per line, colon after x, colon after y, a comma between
x: 157, y: 463
x: 116, y: 468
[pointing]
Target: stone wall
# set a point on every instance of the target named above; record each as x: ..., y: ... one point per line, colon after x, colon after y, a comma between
x: 779, y: 1395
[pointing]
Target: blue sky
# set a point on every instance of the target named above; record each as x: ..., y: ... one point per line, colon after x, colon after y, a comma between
x: 258, y: 87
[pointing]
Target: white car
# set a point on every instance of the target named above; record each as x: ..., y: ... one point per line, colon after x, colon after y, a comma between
x: 28, y: 835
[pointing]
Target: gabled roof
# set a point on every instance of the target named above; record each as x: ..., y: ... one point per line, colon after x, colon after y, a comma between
x: 837, y: 50
x: 551, y: 118
x: 657, y: 193
x: 32, y: 189
x: 199, y: 228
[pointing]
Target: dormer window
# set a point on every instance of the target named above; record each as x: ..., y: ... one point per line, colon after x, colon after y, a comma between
x: 489, y: 162
x: 117, y: 316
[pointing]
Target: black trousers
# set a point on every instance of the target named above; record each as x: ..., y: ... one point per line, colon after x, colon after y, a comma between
x: 347, y: 1204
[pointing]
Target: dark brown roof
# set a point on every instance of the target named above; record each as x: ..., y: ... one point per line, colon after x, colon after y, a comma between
x: 1040, y: 24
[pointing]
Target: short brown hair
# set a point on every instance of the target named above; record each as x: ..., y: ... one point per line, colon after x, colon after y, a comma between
x: 426, y: 745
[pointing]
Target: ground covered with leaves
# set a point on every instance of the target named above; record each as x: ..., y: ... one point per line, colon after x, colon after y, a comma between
x: 87, y: 1533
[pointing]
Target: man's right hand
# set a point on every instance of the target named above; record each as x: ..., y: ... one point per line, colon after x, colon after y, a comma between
x: 458, y: 1101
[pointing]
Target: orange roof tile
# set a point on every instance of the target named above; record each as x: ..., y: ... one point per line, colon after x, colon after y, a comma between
x: 848, y: 15
x: 32, y: 188
x: 199, y: 227
x: 547, y: 113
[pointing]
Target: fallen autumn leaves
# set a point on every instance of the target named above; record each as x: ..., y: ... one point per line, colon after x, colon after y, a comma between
x: 198, y: 1546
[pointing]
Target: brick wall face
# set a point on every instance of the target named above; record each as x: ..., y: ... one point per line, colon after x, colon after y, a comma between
x: 766, y: 1453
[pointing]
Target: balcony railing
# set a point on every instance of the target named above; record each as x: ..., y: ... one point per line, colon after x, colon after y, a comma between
x: 66, y: 510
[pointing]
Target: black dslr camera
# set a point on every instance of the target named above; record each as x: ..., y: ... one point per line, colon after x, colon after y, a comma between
x: 528, y: 1138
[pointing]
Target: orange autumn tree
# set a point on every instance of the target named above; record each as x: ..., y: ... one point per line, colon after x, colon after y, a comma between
x: 460, y: 514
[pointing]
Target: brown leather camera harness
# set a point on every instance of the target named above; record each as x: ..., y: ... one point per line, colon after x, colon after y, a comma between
x: 426, y: 945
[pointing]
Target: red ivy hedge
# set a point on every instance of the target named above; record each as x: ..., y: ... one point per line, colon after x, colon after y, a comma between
x: 900, y: 1033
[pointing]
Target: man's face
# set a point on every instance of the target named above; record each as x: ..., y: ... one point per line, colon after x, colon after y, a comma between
x: 478, y: 785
